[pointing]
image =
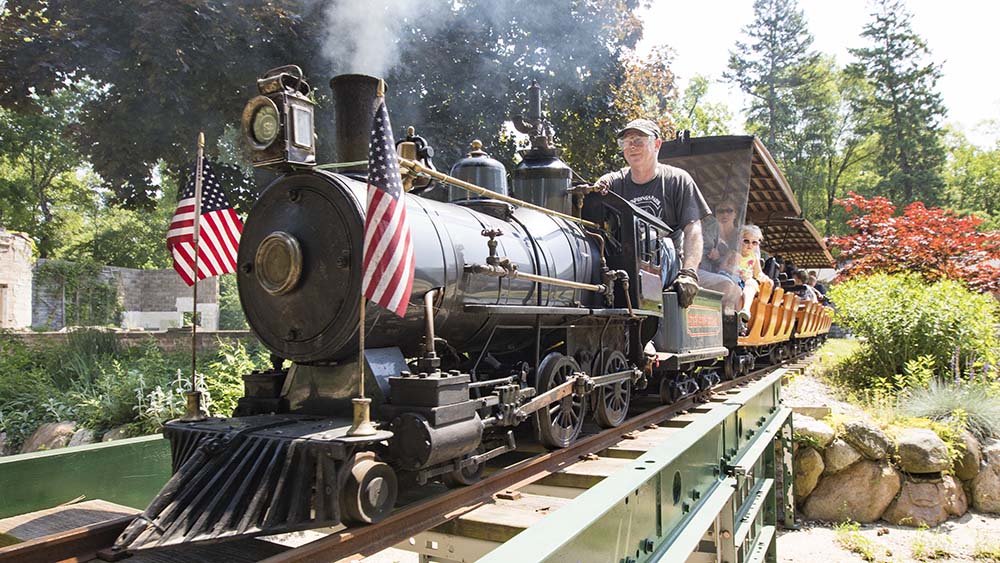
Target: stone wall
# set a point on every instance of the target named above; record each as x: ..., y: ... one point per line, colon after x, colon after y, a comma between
x: 15, y: 280
x: 863, y: 474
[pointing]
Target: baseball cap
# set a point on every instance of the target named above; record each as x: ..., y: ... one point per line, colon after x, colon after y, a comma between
x: 642, y: 125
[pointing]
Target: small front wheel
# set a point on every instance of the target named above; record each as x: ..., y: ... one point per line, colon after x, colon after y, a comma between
x: 369, y: 492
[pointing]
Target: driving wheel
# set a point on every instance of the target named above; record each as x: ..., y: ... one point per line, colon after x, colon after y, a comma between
x: 559, y: 423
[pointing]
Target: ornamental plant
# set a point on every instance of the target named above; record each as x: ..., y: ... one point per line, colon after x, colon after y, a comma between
x: 934, y: 243
x: 910, y: 328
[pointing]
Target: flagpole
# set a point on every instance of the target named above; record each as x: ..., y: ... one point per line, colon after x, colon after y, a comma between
x: 361, y: 424
x: 193, y: 411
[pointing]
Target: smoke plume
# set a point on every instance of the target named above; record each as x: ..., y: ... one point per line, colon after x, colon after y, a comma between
x: 366, y: 36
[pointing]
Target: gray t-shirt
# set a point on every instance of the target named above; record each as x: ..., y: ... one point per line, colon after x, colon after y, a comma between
x: 671, y: 195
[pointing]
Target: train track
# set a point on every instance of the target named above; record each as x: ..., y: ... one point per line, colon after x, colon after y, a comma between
x: 84, y: 544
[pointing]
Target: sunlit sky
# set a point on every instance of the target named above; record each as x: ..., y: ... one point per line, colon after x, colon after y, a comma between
x: 962, y: 35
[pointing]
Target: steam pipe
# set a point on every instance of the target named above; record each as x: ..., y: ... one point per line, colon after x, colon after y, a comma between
x: 418, y: 168
x: 429, y: 319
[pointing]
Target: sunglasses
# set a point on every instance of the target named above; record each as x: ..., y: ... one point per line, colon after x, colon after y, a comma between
x: 727, y: 210
x: 751, y: 242
x: 634, y: 142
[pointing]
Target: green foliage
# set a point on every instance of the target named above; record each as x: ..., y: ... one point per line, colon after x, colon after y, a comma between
x: 987, y: 549
x: 901, y: 319
x: 773, y: 67
x: 88, y: 299
x: 231, y: 315
x: 691, y: 111
x: 976, y: 404
x: 232, y: 362
x: 928, y: 546
x: 94, y: 382
x: 973, y: 176
x: 906, y: 109
x: 850, y: 538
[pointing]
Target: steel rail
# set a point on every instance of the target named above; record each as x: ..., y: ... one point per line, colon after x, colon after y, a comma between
x: 409, y: 521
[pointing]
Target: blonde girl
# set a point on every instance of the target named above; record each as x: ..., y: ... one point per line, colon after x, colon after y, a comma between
x: 748, y: 267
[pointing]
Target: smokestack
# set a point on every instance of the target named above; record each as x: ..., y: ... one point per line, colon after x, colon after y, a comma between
x: 354, y: 99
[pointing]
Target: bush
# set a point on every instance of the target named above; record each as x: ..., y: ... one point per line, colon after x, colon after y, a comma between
x: 911, y: 328
x: 93, y: 382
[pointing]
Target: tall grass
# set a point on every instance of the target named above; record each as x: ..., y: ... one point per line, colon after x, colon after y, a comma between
x: 978, y: 402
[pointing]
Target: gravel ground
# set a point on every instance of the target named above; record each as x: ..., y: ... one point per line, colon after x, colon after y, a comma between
x: 973, y: 537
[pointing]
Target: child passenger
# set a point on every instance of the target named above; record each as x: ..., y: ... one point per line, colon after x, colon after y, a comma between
x: 748, y: 267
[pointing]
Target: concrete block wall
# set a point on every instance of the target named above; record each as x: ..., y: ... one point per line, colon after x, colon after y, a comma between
x: 15, y: 279
x: 151, y: 300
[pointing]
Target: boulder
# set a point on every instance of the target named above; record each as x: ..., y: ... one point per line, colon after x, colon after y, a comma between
x: 81, y: 437
x: 860, y: 493
x: 49, y: 436
x: 808, y: 468
x: 839, y: 456
x: 818, y: 413
x: 927, y: 503
x: 986, y: 486
x: 867, y: 439
x: 967, y: 466
x: 812, y: 430
x: 116, y: 433
x: 920, y: 450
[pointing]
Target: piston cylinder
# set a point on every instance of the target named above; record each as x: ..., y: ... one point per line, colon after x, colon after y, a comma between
x: 418, y: 445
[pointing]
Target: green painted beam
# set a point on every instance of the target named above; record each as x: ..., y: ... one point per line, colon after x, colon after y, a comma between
x: 128, y: 472
x: 663, y: 501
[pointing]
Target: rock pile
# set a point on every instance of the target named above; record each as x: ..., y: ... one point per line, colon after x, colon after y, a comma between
x: 862, y: 474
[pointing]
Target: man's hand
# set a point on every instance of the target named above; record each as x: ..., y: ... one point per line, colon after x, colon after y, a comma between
x: 687, y: 287
x: 603, y: 187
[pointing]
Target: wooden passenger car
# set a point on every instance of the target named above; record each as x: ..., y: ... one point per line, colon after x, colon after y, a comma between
x: 739, y: 170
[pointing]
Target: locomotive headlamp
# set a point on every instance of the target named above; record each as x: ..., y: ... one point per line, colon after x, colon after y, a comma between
x: 266, y: 123
x: 278, y: 124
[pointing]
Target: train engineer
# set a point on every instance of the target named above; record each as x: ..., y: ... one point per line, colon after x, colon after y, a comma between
x: 663, y: 191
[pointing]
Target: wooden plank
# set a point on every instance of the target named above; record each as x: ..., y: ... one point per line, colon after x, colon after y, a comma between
x: 62, y: 518
x: 585, y: 474
x: 502, y: 519
x: 237, y: 551
x: 631, y: 448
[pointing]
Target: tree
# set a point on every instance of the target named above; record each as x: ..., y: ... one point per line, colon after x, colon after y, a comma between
x: 973, y: 177
x: 906, y: 107
x: 41, y: 159
x: 693, y: 113
x: 167, y: 78
x: 932, y: 242
x: 161, y: 72
x: 648, y: 90
x: 461, y: 82
x: 773, y: 68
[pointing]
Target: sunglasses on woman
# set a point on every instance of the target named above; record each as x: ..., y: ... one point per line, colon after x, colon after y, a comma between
x: 751, y: 242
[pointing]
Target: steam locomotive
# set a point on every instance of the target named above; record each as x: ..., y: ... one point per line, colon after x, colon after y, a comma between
x: 519, y: 313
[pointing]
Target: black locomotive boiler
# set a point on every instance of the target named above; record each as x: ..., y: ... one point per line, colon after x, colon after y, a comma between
x: 519, y: 313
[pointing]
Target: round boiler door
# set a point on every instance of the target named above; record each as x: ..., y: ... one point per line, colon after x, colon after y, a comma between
x: 278, y: 263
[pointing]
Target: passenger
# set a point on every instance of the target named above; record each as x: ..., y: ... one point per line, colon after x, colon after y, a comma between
x: 717, y: 270
x: 720, y: 238
x: 814, y: 282
x: 663, y: 191
x: 748, y: 266
x: 802, y: 287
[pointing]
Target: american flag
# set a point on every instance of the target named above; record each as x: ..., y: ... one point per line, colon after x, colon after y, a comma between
x: 388, y: 250
x: 218, y: 233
